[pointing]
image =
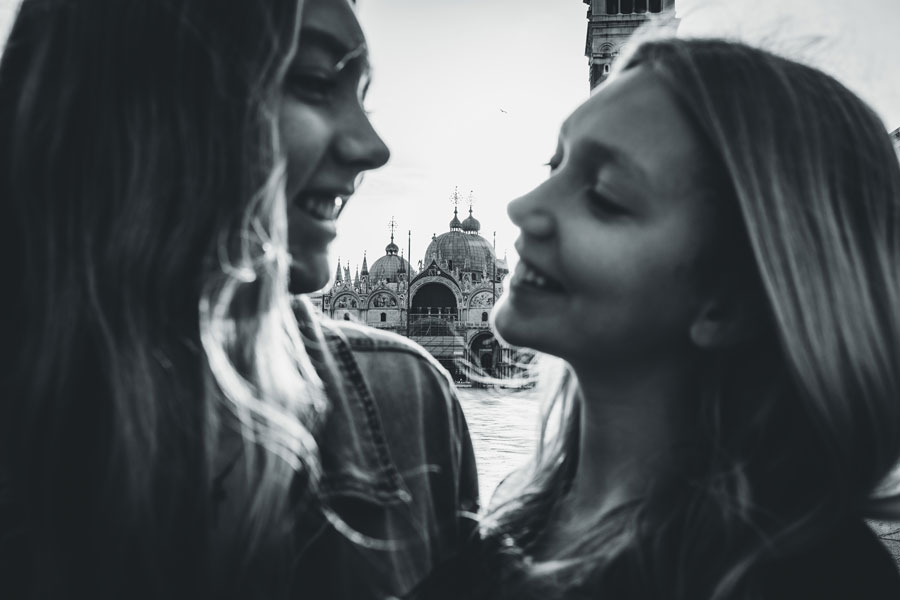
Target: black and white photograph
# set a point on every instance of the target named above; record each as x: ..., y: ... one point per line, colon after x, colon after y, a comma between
x: 450, y: 300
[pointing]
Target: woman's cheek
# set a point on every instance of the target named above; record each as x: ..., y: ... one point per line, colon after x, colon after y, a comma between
x: 305, y: 136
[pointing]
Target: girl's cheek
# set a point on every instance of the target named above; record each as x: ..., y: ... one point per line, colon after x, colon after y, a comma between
x: 305, y: 138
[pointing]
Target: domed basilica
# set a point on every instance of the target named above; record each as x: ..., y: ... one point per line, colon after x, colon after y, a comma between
x: 443, y: 304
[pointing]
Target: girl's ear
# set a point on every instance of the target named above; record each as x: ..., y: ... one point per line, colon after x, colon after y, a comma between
x: 721, y: 323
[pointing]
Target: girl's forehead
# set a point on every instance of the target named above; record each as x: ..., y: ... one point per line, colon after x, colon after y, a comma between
x: 334, y: 20
x: 637, y: 116
x: 638, y: 90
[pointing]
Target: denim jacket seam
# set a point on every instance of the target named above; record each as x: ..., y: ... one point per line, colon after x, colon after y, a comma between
x: 343, y: 485
x: 397, y: 487
x: 387, y: 347
x: 367, y: 342
x: 368, y: 345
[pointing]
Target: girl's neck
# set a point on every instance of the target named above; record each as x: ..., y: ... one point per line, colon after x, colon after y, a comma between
x: 633, y: 436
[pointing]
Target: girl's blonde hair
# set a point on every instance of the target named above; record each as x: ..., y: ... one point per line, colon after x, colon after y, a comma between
x: 157, y: 401
x: 798, y: 425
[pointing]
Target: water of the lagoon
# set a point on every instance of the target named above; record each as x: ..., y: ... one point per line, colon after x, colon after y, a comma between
x: 504, y: 426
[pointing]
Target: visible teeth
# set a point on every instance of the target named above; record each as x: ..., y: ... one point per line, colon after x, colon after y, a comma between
x: 532, y: 277
x: 322, y: 207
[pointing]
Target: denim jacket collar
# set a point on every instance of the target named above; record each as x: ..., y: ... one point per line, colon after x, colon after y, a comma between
x: 352, y: 445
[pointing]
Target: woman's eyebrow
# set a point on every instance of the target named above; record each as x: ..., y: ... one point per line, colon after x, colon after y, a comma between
x: 325, y: 39
x: 337, y: 47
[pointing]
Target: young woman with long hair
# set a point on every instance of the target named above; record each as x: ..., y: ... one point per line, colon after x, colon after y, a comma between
x: 174, y: 423
x: 157, y: 402
x: 398, y: 485
x: 715, y: 257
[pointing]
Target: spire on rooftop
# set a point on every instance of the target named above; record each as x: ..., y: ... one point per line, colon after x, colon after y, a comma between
x: 392, y: 248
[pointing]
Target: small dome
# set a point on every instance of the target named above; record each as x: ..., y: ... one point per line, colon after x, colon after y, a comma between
x: 471, y: 224
x: 391, y: 249
x: 454, y: 223
x: 388, y: 268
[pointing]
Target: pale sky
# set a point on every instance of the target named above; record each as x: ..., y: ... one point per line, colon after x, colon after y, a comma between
x: 471, y: 93
x: 444, y: 69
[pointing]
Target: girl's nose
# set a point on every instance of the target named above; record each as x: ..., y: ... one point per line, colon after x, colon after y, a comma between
x: 360, y: 145
x: 532, y: 218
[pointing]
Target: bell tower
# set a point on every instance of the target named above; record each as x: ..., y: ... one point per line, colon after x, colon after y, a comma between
x: 610, y: 24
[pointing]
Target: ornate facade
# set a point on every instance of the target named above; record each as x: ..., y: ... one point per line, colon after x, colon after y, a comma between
x: 610, y: 24
x: 444, y: 304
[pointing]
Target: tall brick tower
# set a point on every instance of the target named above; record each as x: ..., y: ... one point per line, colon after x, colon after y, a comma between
x: 610, y: 24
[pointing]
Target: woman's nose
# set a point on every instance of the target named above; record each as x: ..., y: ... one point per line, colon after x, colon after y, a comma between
x: 360, y: 145
x: 532, y: 218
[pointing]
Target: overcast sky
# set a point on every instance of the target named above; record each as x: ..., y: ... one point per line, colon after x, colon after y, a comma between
x: 470, y: 93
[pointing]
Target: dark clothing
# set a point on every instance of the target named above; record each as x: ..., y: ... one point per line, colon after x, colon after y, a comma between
x: 849, y: 564
x: 397, y: 463
x: 398, y: 467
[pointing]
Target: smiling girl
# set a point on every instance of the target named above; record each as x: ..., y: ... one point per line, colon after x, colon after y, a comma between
x: 157, y: 404
x: 173, y: 423
x: 716, y: 259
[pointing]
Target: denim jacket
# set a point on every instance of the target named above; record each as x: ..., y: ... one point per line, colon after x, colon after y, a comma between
x: 398, y: 471
x: 398, y: 467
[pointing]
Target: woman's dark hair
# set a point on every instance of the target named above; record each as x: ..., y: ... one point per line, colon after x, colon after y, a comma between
x: 799, y: 424
x: 156, y: 400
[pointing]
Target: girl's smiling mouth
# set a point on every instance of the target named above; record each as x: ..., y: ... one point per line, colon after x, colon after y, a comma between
x: 527, y: 275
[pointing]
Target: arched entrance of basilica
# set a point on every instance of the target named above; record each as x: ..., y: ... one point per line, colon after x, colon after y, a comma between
x: 433, y: 311
x: 484, y: 354
x: 433, y: 316
x: 434, y: 299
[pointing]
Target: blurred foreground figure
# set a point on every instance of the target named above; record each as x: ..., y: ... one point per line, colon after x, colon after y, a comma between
x: 160, y: 411
x: 398, y: 467
x: 718, y: 250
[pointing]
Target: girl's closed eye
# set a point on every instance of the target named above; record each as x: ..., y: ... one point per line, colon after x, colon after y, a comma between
x: 311, y: 87
x: 601, y: 203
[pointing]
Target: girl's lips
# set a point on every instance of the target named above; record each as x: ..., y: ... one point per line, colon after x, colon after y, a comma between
x: 322, y: 206
x: 526, y: 274
x: 307, y: 230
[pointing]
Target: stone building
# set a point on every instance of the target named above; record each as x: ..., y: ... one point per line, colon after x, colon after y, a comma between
x: 610, y: 24
x: 895, y: 137
x: 444, y: 304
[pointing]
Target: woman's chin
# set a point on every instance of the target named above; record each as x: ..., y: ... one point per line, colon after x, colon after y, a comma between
x: 521, y: 330
x: 306, y: 278
x: 507, y: 324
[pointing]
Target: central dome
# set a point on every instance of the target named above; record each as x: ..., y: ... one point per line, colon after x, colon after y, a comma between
x: 465, y: 251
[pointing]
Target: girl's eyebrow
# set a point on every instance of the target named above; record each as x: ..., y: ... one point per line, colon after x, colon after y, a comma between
x: 325, y: 39
x: 338, y: 47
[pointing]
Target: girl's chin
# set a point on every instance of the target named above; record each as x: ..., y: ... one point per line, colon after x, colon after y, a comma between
x: 520, y: 329
x: 510, y: 326
x: 307, y: 278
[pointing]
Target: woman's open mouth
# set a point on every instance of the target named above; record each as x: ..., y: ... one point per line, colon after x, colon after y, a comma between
x: 320, y: 205
x: 527, y: 275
